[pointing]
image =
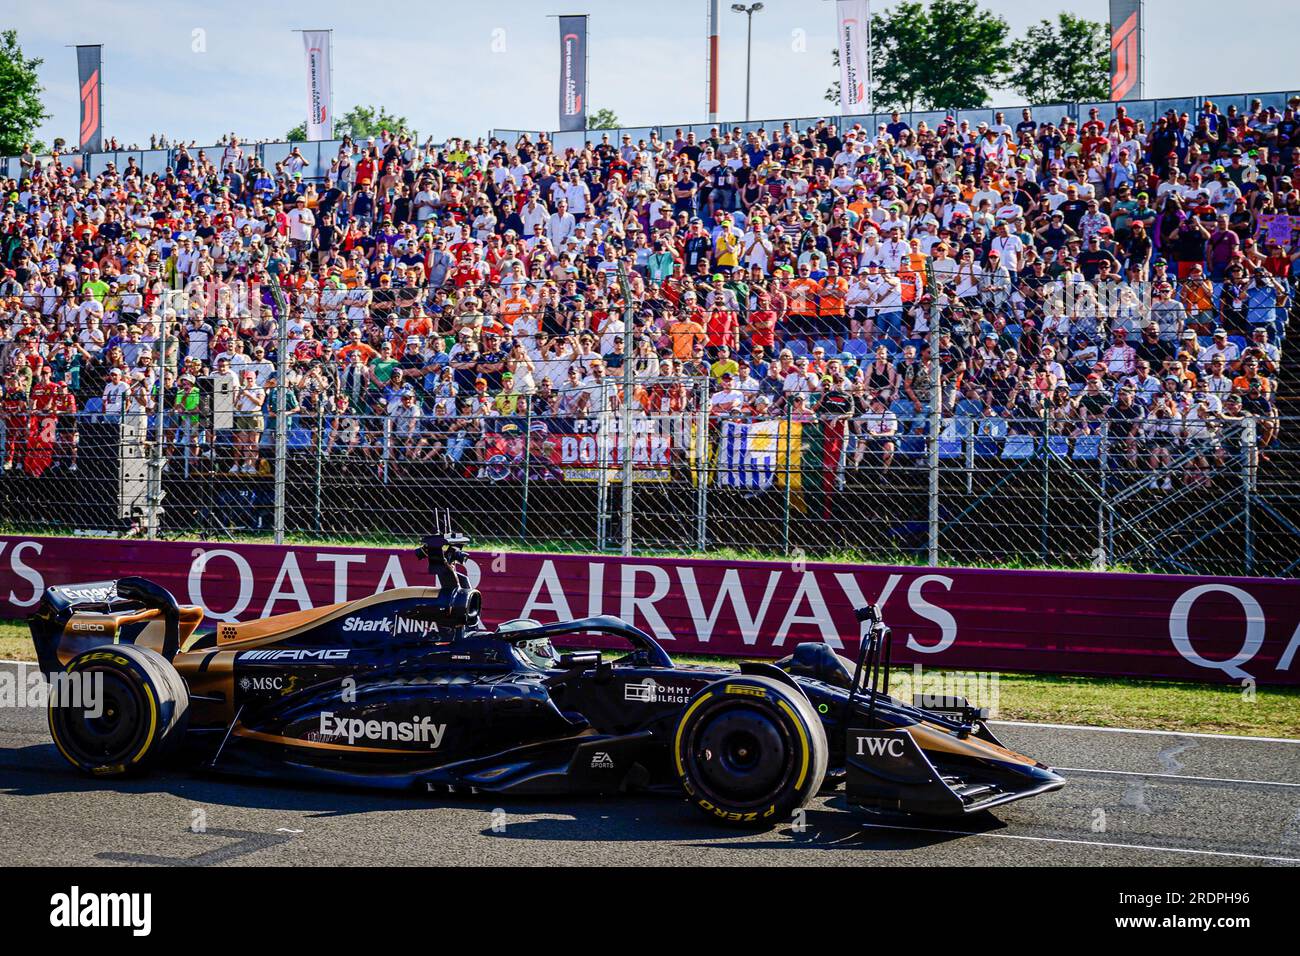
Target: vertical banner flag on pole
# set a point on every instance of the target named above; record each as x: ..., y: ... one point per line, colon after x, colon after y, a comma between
x: 573, y: 73
x: 320, y: 83
x: 1125, y: 49
x: 854, y: 17
x: 92, y: 115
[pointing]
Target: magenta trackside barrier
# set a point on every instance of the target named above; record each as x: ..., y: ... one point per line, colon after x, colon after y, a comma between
x: 1209, y: 629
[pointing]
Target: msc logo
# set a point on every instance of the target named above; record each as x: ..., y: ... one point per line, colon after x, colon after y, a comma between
x: 881, y: 747
x: 250, y: 683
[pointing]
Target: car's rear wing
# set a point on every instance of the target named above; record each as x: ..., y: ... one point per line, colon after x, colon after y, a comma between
x: 62, y: 602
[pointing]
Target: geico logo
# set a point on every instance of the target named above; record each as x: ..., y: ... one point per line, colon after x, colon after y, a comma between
x: 88, y: 626
x: 881, y: 747
x: 747, y: 691
x: 421, y: 730
x: 305, y: 654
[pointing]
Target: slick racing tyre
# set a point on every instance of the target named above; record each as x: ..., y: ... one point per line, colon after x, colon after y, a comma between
x: 749, y: 751
x: 118, y: 709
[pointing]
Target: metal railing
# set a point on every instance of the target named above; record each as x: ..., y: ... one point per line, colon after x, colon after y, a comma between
x: 1146, y: 110
x: 318, y: 154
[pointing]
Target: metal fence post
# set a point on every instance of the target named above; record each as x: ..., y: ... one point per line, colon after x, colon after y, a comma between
x: 528, y: 448
x: 702, y: 457
x: 320, y: 455
x: 602, y: 470
x: 932, y: 439
x: 157, y: 457
x: 281, y: 377
x: 785, y: 517
x: 1106, y: 533
x: 1250, y: 453
x: 1044, y: 538
x: 628, y: 443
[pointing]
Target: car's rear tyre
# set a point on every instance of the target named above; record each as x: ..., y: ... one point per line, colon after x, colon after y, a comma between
x: 128, y: 710
x: 749, y: 751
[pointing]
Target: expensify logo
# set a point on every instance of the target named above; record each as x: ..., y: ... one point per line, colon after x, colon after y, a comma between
x: 76, y: 909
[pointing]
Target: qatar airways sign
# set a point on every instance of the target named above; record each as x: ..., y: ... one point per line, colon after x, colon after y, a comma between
x: 1214, y: 629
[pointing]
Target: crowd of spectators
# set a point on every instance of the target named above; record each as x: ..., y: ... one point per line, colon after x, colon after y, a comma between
x: 1069, y: 277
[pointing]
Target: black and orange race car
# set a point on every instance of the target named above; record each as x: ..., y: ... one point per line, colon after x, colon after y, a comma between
x: 407, y: 690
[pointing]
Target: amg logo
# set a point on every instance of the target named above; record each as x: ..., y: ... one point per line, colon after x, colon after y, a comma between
x: 422, y: 730
x: 306, y: 654
x: 881, y: 747
x: 75, y: 909
x: 649, y: 691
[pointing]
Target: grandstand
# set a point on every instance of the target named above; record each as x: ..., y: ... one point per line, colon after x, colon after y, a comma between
x: 1049, y: 335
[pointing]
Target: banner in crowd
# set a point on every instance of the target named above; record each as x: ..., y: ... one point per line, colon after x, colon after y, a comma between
x: 317, y: 46
x: 1279, y: 228
x: 1225, y: 630
x: 89, y: 64
x: 570, y: 449
x: 854, y: 18
x: 759, y: 455
x: 1126, y: 49
x: 573, y: 73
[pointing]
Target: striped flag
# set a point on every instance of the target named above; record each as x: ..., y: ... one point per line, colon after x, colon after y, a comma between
x: 758, y: 455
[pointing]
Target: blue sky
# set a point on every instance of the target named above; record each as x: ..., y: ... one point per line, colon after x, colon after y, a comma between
x: 464, y: 68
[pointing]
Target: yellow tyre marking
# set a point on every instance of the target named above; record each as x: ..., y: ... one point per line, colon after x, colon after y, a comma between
x: 803, y: 739
x: 153, y: 724
x: 681, y: 725
x: 58, y: 743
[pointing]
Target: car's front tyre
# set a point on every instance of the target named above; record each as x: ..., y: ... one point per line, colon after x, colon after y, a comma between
x: 749, y: 751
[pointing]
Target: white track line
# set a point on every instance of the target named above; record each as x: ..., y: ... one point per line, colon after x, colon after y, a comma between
x: 1162, y: 733
x: 1177, y: 776
x: 1100, y: 843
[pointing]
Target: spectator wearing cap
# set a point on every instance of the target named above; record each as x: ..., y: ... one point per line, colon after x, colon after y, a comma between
x: 1219, y: 347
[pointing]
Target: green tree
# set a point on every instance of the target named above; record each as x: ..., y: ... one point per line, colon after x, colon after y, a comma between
x: 944, y: 56
x: 603, y: 119
x: 1063, y: 62
x: 21, y: 109
x: 359, y: 122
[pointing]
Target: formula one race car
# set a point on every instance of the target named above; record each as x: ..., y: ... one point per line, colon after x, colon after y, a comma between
x: 406, y: 690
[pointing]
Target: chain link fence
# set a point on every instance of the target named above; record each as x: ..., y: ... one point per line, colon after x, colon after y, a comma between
x: 868, y: 446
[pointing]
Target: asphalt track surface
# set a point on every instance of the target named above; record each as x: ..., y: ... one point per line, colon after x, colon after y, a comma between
x: 1134, y: 798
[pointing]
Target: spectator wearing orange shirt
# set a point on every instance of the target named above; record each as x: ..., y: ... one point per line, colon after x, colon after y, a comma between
x: 831, y: 309
x: 687, y: 331
x: 803, y: 293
